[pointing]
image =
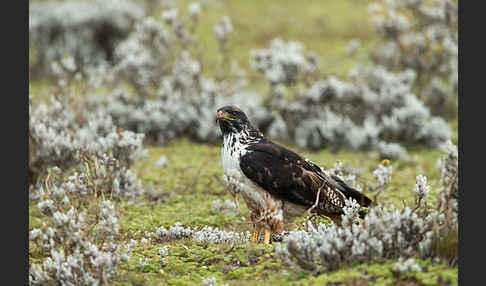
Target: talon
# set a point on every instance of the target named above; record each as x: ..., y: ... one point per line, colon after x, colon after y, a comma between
x: 267, y: 237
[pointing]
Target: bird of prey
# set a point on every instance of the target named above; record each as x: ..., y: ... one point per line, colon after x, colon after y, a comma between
x: 276, y: 184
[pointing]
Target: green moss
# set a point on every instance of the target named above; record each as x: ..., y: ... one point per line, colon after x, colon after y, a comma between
x: 35, y: 220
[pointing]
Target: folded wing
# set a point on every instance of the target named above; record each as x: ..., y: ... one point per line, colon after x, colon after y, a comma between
x: 288, y: 176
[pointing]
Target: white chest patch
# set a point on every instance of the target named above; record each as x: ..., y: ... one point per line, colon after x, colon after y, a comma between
x: 234, y: 178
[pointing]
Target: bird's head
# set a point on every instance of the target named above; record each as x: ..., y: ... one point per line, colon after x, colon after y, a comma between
x: 232, y: 119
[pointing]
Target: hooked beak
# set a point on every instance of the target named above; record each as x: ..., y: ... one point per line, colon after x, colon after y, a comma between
x: 221, y: 116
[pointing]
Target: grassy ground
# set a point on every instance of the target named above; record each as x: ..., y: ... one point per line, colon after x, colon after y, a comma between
x: 193, y: 175
x: 189, y: 184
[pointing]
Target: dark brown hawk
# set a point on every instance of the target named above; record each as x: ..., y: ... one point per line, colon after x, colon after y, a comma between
x: 277, y: 184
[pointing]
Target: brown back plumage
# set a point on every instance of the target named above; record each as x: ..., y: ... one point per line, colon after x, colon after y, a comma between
x: 288, y: 176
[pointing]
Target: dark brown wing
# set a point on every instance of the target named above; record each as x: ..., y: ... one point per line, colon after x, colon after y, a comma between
x: 292, y: 178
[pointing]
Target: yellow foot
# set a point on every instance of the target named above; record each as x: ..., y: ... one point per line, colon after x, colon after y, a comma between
x: 255, y: 236
x: 267, y: 237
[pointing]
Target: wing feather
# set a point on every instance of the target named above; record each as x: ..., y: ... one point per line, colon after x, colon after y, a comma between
x: 290, y: 177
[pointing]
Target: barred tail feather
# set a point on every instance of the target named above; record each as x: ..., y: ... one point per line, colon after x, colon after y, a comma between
x: 349, y: 192
x: 363, y: 200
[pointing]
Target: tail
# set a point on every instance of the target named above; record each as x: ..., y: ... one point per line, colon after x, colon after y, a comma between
x: 363, y: 200
x: 349, y: 192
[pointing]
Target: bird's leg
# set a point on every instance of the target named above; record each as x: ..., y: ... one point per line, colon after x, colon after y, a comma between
x: 316, y: 203
x: 267, y: 237
x: 255, y: 236
x: 309, y: 214
x: 254, y: 221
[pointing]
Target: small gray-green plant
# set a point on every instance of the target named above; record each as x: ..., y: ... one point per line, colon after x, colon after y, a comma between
x: 385, y: 232
x: 79, y: 237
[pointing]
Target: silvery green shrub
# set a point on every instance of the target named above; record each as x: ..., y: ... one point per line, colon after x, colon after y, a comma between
x: 283, y: 63
x: 79, y: 236
x: 173, y: 98
x: 391, y: 150
x: 60, y: 132
x: 162, y: 162
x: 405, y: 266
x: 157, y: 49
x: 210, y: 281
x: 374, y: 107
x: 164, y: 251
x: 142, y: 58
x: 88, y: 31
x: 207, y: 234
x: 178, y: 112
x: 385, y: 232
x: 421, y: 187
x: 346, y: 173
x: 449, y: 176
x: 423, y: 36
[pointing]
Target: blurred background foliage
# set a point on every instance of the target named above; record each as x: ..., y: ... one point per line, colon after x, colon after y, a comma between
x: 311, y: 44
